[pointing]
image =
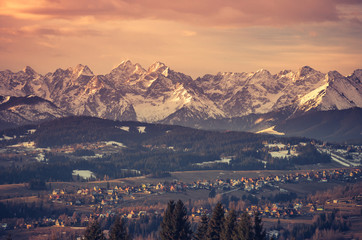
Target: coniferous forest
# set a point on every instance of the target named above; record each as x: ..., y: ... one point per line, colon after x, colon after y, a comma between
x: 158, y: 148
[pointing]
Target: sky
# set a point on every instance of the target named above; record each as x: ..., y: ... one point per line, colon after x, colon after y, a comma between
x: 195, y: 37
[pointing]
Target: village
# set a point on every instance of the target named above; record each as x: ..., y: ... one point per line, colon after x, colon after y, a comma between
x: 113, y: 199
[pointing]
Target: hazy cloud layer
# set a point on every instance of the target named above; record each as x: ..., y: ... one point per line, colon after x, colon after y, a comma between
x: 193, y: 36
x: 206, y: 12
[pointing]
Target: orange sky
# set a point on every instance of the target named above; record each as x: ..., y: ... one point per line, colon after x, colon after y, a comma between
x: 192, y: 36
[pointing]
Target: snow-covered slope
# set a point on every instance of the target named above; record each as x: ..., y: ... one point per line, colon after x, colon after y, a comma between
x: 337, y: 93
x: 27, y: 110
x: 239, y: 94
x: 159, y: 94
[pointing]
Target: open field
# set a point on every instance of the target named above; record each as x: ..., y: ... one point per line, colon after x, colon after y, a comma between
x: 65, y: 196
x: 43, y: 233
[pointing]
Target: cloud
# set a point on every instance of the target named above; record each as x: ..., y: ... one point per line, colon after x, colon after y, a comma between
x: 187, y: 33
x: 57, y: 31
x: 218, y: 13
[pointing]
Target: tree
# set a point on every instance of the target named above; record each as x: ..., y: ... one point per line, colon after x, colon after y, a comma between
x: 259, y: 232
x: 229, y: 227
x: 167, y: 232
x: 216, y: 223
x: 180, y: 221
x: 212, y: 193
x: 202, y: 228
x: 244, y: 229
x: 175, y: 224
x: 94, y: 231
x: 118, y: 230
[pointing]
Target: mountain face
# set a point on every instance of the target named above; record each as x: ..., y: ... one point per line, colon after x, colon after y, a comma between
x: 27, y: 110
x: 239, y: 101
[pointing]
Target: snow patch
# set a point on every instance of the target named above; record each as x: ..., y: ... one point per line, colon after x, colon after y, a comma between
x: 40, y: 157
x: 24, y: 144
x: 222, y: 160
x: 283, y: 154
x: 8, y: 138
x: 85, y: 174
x: 113, y: 143
x: 31, y: 131
x: 271, y: 131
x: 141, y: 129
x: 124, y: 128
x: 273, y: 145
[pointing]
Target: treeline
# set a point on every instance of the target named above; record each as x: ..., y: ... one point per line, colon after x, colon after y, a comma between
x: 307, y: 154
x: 33, y: 210
x: 325, y: 226
x: 310, y: 155
x: 175, y: 225
x: 160, y: 148
x: 61, y: 169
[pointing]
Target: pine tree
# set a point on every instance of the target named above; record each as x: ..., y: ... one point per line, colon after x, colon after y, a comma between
x: 202, y: 228
x: 259, y: 232
x: 175, y: 224
x: 167, y: 231
x: 229, y: 227
x: 180, y: 222
x: 118, y: 230
x: 244, y: 228
x: 216, y: 223
x: 94, y: 231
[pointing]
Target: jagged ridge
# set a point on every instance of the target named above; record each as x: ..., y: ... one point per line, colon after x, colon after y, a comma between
x: 159, y: 94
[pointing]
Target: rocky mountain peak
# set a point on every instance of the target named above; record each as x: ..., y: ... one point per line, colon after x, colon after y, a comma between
x: 333, y: 75
x: 306, y: 71
x: 81, y: 70
x: 29, y: 71
x: 126, y: 64
x: 357, y: 76
x: 262, y: 73
x: 159, y: 67
x: 157, y: 93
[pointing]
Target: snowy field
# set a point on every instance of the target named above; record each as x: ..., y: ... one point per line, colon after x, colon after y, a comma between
x: 113, y: 143
x: 124, y: 128
x: 222, y: 160
x: 85, y: 174
x: 283, y: 154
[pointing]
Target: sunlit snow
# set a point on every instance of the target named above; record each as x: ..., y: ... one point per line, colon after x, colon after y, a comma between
x: 113, y: 143
x: 222, y: 160
x: 85, y: 174
x: 124, y: 128
x: 271, y: 131
x: 141, y: 129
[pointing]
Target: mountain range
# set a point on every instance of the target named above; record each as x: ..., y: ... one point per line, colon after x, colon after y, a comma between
x: 257, y: 101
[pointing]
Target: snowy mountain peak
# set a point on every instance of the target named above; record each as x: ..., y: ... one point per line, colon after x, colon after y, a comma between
x: 130, y: 92
x: 305, y: 71
x: 159, y: 67
x: 333, y: 75
x: 262, y: 73
x: 125, y: 64
x: 357, y: 76
x: 81, y: 70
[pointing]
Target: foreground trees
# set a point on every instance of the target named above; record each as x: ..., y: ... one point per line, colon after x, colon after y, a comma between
x: 118, y: 230
x: 94, y: 231
x: 176, y: 226
x: 220, y: 226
